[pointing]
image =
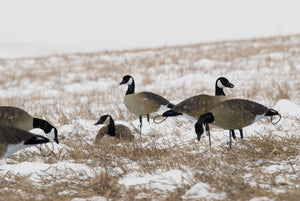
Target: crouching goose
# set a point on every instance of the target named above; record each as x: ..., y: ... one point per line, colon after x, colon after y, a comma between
x: 233, y: 114
x: 142, y: 103
x: 111, y: 131
x: 14, y: 139
x: 16, y: 117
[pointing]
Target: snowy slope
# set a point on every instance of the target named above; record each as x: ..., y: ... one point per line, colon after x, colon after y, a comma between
x: 74, y: 90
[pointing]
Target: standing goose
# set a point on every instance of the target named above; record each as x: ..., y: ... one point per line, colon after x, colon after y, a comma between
x: 143, y: 103
x: 14, y: 139
x: 193, y: 107
x: 16, y: 117
x: 233, y: 114
x: 112, y: 130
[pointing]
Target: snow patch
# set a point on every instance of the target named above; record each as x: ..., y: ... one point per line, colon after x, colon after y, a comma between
x: 168, y: 181
x: 203, y: 191
x: 287, y: 108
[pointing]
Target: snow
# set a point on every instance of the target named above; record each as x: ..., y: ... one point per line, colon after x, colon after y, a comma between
x: 168, y: 131
x: 287, y: 108
x: 261, y: 199
x: 34, y: 169
x: 96, y: 198
x: 168, y: 181
x: 202, y: 191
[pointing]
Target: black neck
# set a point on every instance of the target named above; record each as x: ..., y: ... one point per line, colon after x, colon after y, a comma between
x: 42, y: 124
x: 130, y: 89
x: 111, y: 128
x: 219, y: 91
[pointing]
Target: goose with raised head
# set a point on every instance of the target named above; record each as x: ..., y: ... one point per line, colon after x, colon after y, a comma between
x: 233, y: 114
x: 143, y: 103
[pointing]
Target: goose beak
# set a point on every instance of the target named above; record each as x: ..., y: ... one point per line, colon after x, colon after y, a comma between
x: 230, y: 85
x: 56, y: 140
x: 99, y: 122
x: 55, y: 136
x: 122, y: 82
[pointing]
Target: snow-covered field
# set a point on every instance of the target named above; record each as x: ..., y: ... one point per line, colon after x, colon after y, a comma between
x: 168, y: 163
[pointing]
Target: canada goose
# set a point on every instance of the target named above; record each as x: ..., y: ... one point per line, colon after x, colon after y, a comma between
x: 233, y: 114
x: 16, y: 117
x: 14, y: 139
x: 143, y: 103
x: 193, y: 107
x: 112, y: 130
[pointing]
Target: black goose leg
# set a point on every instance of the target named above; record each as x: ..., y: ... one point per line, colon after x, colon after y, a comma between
x: 148, y: 118
x: 208, y: 133
x: 230, y: 138
x: 141, y: 125
x: 233, y: 135
x: 241, y: 132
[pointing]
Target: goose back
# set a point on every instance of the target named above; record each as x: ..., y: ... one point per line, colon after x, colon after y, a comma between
x: 122, y: 133
x: 144, y: 103
x: 197, y: 105
x: 237, y: 113
x: 15, y: 117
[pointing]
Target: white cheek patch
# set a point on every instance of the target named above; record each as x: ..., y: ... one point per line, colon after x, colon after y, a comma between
x: 107, y: 121
x: 219, y: 84
x: 129, y: 81
x: 51, y: 134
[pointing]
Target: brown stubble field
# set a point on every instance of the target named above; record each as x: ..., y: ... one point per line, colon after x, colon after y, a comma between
x: 72, y: 91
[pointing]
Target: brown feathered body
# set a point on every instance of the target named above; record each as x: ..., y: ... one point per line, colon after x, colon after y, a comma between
x: 16, y: 117
x: 122, y: 133
x: 13, y: 139
x: 198, y: 105
x: 144, y: 103
x: 237, y: 113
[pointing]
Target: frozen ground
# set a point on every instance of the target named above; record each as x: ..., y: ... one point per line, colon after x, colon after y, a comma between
x: 74, y: 90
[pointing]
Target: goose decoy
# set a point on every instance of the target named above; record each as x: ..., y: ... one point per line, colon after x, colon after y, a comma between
x: 16, y: 117
x: 13, y: 139
x: 143, y: 103
x: 233, y: 114
x: 193, y: 107
x: 112, y: 130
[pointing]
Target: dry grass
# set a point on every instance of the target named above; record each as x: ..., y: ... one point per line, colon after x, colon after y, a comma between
x: 242, y: 172
x: 225, y: 170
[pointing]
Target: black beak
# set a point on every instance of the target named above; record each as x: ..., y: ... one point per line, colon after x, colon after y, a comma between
x: 99, y: 122
x: 230, y: 85
x: 123, y: 82
x: 56, y: 140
